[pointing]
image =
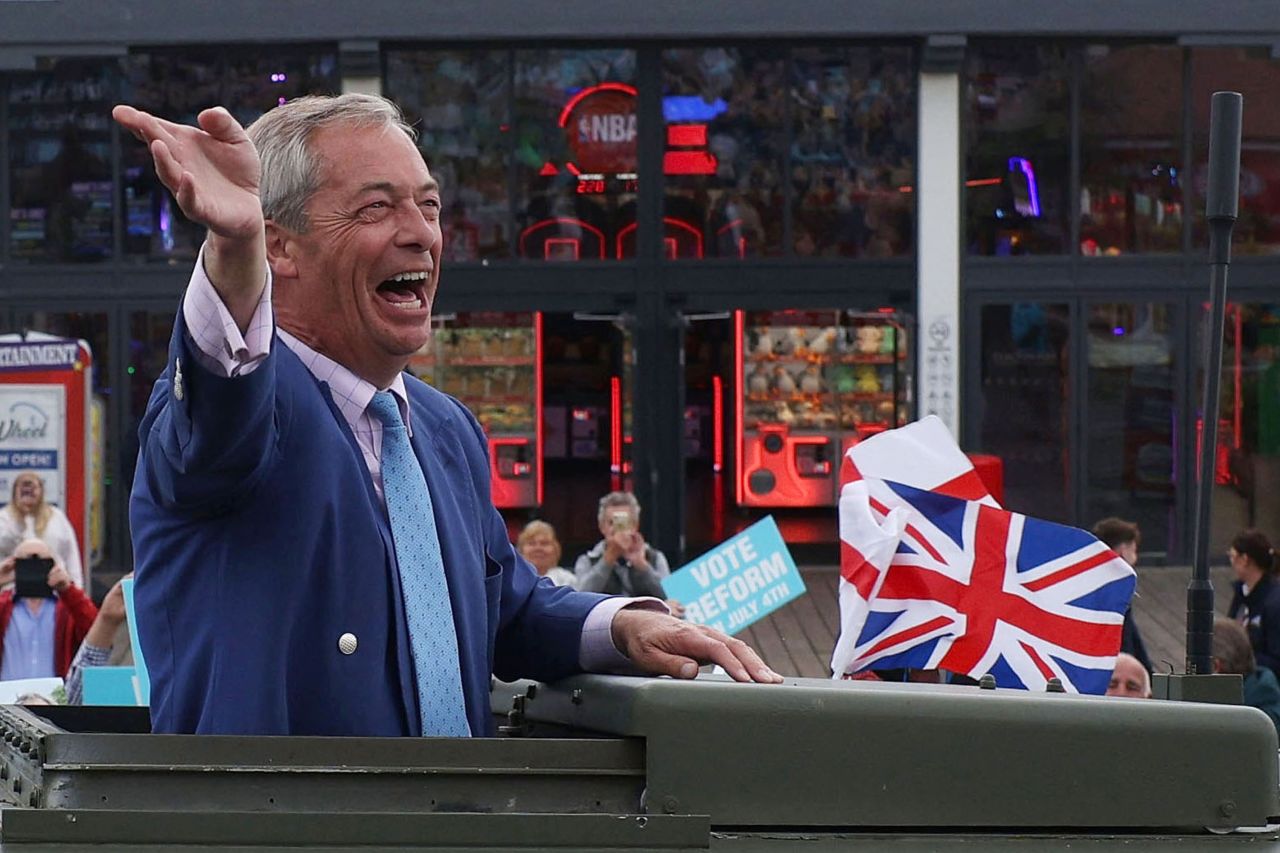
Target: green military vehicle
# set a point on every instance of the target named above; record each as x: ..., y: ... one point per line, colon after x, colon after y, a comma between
x: 606, y: 762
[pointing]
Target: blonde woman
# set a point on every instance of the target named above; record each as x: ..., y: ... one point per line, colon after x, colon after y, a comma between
x: 538, y: 544
x: 28, y: 517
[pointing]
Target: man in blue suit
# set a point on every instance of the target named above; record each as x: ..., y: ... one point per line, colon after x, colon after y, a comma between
x: 316, y: 549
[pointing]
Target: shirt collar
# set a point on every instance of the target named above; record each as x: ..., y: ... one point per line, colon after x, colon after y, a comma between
x: 351, y: 394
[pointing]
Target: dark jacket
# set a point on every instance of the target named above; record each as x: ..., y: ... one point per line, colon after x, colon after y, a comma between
x: 1260, y: 612
x: 1262, y: 691
x: 1131, y: 640
x: 260, y: 541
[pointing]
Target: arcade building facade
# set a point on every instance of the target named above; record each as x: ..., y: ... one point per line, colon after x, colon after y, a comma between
x: 701, y: 267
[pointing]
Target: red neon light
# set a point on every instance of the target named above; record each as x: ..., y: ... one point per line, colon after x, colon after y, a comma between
x: 588, y: 92
x: 674, y: 223
x: 717, y: 425
x: 738, y: 329
x: 574, y: 169
x: 572, y: 244
x: 687, y: 135
x: 671, y: 248
x: 548, y: 169
x: 569, y: 223
x: 537, y: 400
x: 688, y: 163
x: 741, y: 241
x: 615, y: 424
x: 1238, y: 425
x: 976, y: 182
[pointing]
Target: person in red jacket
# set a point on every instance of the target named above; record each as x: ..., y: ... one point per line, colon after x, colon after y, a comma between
x: 39, y: 637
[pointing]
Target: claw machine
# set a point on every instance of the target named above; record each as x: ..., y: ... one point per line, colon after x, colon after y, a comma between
x: 808, y: 386
x: 492, y: 362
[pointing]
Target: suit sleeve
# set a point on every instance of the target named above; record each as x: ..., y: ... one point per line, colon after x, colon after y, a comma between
x: 207, y: 438
x: 539, y: 623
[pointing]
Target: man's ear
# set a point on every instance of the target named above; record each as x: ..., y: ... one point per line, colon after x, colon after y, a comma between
x: 281, y: 249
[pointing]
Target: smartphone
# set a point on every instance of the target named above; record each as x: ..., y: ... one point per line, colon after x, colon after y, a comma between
x: 620, y: 522
x: 31, y: 577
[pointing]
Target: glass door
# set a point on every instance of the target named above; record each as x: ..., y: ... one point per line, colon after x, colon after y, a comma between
x: 1130, y: 416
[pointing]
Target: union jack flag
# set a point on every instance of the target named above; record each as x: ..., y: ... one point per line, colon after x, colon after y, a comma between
x: 935, y: 575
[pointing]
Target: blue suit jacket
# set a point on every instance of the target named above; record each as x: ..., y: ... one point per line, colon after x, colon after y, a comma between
x: 259, y: 541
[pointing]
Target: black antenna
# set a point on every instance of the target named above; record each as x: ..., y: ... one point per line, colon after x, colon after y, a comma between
x: 1221, y: 208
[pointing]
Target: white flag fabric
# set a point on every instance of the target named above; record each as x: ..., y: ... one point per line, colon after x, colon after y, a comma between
x: 922, y: 455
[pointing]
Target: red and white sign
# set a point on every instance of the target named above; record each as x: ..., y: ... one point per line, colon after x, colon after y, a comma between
x: 45, y: 387
x: 600, y: 127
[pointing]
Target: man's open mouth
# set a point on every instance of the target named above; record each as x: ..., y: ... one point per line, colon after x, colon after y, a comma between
x: 406, y: 290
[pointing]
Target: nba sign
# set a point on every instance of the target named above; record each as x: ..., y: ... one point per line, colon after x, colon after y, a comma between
x: 600, y: 128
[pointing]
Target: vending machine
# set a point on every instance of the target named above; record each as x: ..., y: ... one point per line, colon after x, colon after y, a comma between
x: 808, y: 386
x: 492, y: 362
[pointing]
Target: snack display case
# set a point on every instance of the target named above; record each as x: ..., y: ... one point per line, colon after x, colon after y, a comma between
x: 492, y: 362
x: 810, y: 385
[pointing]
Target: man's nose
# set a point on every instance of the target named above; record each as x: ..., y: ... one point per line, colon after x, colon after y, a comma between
x: 416, y: 231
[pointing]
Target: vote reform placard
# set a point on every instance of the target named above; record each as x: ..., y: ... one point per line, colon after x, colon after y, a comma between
x: 738, y: 582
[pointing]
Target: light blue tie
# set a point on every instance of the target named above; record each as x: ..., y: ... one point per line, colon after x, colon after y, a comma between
x: 426, y: 594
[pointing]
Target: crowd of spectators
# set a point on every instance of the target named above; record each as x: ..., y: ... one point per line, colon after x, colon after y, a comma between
x: 49, y: 625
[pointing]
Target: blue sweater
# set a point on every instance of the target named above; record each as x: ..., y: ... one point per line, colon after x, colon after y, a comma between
x: 259, y: 541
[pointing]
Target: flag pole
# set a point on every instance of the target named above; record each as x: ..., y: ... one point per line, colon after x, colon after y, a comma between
x: 1221, y: 208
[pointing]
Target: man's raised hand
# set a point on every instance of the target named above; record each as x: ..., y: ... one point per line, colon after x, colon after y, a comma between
x: 212, y: 170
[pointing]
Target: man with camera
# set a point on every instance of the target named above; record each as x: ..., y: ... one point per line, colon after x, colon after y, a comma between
x: 623, y: 563
x: 43, y: 617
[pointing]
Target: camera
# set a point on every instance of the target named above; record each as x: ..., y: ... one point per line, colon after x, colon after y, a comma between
x: 31, y: 577
x: 620, y: 522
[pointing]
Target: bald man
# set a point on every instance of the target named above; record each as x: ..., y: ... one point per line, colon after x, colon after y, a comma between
x: 1130, y: 678
x: 40, y: 635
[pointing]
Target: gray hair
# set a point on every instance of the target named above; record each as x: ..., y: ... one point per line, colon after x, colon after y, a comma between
x: 618, y: 499
x: 290, y: 173
x: 1231, y: 647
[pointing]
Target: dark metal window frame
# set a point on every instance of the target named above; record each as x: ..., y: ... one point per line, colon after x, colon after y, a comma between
x: 1178, y: 278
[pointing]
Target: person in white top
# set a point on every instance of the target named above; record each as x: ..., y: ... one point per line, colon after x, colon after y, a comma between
x: 27, y: 516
